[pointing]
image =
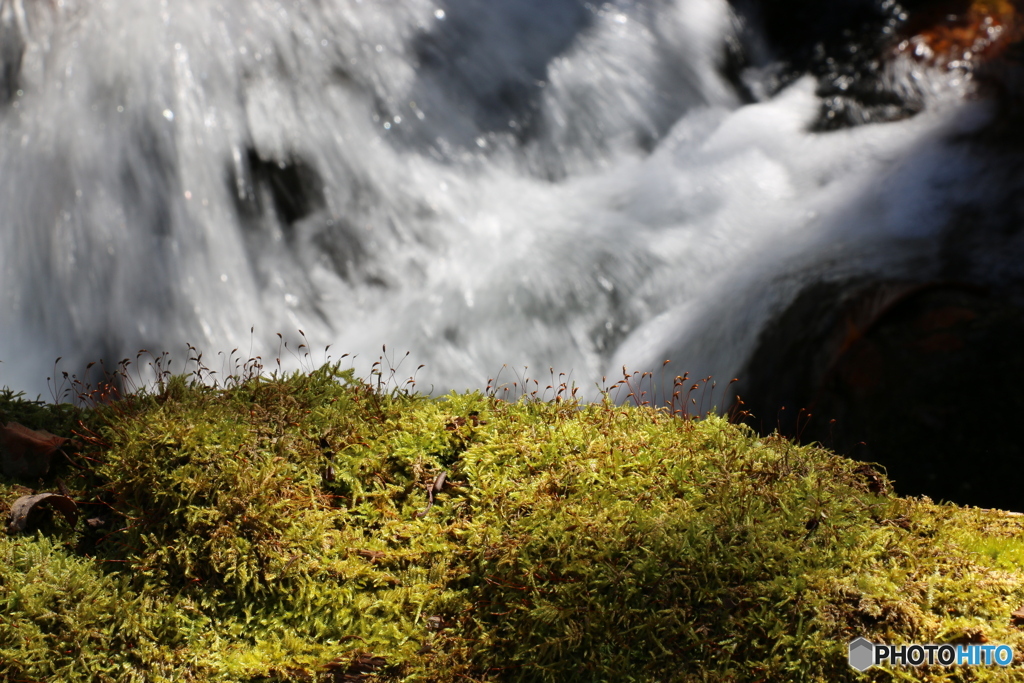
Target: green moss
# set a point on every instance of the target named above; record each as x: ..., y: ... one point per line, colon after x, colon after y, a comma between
x: 276, y: 531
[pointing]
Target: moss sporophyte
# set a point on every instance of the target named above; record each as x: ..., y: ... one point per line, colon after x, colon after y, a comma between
x: 314, y: 527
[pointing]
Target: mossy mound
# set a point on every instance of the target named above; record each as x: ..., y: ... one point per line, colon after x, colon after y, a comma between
x: 283, y: 530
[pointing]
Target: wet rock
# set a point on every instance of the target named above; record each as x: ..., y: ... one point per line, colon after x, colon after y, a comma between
x: 845, y: 45
x: 921, y: 378
x: 291, y: 186
x: 962, y: 33
x: 852, y: 46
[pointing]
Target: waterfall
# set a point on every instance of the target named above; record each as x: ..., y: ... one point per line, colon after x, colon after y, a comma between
x: 541, y: 183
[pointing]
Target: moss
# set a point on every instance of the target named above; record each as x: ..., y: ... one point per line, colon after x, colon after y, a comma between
x: 281, y: 529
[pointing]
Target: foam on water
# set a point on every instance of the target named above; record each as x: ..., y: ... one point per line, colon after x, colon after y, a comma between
x: 532, y: 183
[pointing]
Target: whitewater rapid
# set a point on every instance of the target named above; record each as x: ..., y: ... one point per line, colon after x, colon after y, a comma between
x: 531, y: 183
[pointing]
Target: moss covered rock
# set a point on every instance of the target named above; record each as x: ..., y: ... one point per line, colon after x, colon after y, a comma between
x: 298, y: 528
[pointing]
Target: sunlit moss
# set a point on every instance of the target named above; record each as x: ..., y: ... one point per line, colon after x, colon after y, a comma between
x: 281, y: 530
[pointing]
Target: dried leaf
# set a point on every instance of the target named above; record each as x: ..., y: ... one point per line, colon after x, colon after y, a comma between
x: 27, y: 452
x: 371, y: 554
x: 25, y: 506
x: 970, y: 636
x: 359, y: 668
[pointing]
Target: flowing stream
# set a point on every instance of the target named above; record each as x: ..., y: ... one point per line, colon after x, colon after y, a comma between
x: 541, y: 183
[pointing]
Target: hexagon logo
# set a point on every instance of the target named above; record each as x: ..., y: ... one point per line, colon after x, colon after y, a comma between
x: 861, y: 654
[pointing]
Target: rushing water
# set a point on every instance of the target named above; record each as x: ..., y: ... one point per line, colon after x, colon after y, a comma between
x: 542, y: 183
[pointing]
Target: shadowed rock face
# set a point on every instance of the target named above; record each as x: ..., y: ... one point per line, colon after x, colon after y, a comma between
x: 919, y: 375
x: 922, y: 378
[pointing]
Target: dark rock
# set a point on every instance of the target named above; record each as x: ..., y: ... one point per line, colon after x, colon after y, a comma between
x: 923, y: 379
x: 845, y: 46
x: 292, y: 186
x: 12, y: 52
x: 848, y: 44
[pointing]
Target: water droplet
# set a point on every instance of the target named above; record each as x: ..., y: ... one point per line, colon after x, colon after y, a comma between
x: 439, y: 14
x: 223, y: 277
x: 168, y: 114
